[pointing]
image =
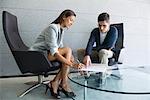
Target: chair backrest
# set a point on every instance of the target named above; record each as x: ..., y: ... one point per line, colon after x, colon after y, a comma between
x: 119, y: 43
x: 27, y: 61
x: 10, y: 27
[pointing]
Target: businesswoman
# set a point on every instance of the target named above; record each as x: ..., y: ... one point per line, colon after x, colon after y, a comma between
x: 51, y: 40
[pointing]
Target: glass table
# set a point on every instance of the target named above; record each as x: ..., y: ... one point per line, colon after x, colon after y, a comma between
x: 124, y: 83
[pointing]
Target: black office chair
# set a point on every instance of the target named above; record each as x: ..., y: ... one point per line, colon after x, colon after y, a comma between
x: 28, y: 61
x: 119, y: 44
x: 118, y: 47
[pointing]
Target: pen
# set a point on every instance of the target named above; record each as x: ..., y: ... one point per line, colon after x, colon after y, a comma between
x: 78, y: 61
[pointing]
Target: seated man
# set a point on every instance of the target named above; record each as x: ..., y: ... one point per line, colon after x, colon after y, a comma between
x: 103, y: 38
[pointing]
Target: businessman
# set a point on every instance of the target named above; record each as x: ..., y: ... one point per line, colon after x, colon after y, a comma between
x: 103, y: 38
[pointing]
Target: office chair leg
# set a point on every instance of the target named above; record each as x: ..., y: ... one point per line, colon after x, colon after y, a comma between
x: 40, y: 82
x: 29, y: 89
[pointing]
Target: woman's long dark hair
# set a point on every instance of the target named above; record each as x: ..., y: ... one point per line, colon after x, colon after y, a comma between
x: 66, y: 13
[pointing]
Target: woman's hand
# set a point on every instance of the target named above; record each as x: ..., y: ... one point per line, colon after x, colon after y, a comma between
x: 78, y: 65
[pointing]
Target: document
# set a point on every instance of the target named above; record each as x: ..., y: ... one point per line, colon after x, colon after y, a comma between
x: 96, y: 67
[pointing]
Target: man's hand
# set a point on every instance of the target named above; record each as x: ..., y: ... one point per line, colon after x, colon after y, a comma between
x: 87, y: 60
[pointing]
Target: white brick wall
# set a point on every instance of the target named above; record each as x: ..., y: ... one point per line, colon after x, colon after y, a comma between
x: 34, y: 15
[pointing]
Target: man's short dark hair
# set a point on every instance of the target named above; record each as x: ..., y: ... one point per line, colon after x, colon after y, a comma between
x: 103, y: 17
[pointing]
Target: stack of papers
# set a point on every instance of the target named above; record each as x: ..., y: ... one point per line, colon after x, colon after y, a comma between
x: 96, y: 68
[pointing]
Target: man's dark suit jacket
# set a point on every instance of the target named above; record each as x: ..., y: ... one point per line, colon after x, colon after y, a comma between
x: 109, y: 41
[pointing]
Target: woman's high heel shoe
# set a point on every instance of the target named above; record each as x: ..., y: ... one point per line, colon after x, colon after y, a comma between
x: 68, y: 94
x: 56, y: 95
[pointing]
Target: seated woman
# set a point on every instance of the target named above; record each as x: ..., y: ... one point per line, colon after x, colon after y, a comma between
x: 51, y: 41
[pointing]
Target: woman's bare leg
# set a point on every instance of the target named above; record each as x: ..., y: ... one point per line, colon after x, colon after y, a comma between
x: 65, y: 68
x: 63, y: 73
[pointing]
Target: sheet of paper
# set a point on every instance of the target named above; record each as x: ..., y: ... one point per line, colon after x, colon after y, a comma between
x: 96, y: 68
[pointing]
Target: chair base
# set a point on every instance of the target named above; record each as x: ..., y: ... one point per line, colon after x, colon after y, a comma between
x: 36, y: 85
